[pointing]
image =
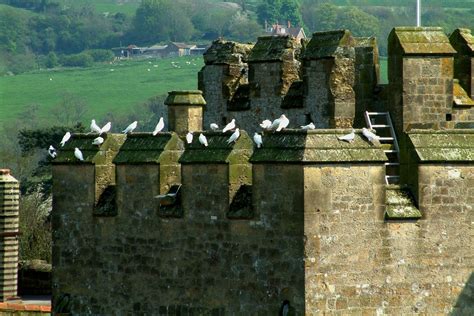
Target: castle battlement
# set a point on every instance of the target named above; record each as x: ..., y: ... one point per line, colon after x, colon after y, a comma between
x: 153, y: 225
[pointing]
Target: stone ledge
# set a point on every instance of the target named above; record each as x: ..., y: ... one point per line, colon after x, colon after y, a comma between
x: 455, y: 145
x: 316, y: 146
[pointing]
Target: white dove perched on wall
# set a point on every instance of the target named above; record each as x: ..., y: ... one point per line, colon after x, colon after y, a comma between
x: 229, y: 126
x: 309, y: 126
x: 234, y: 136
x: 283, y: 123
x: 203, y: 139
x: 52, y: 151
x: 374, y: 139
x: 348, y: 137
x: 189, y: 137
x: 214, y: 126
x: 78, y: 154
x: 130, y: 128
x: 97, y: 141
x: 159, y: 127
x: 106, y: 128
x: 94, y: 127
x: 266, y: 124
x: 257, y: 138
x: 66, y: 137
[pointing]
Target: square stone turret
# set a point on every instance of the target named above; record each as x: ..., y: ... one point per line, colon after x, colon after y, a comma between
x: 274, y: 70
x: 224, y: 72
x: 185, y: 110
x: 329, y: 73
x: 463, y: 41
x: 420, y: 72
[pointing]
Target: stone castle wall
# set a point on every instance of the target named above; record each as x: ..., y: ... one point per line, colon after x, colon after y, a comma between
x: 313, y: 232
x: 231, y: 229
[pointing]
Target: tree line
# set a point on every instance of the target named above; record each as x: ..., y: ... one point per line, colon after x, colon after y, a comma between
x: 42, y: 27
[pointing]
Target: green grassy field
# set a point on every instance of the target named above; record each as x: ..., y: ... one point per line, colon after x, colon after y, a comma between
x: 111, y: 6
x: 104, y: 88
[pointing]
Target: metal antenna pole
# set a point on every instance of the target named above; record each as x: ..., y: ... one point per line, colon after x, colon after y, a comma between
x: 418, y: 13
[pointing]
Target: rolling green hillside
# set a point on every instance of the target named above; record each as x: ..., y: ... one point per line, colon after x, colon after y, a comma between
x: 104, y: 88
x: 110, y: 6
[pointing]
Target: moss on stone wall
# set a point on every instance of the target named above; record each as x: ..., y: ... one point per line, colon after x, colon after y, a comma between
x: 218, y: 150
x: 443, y: 145
x: 315, y: 146
x: 420, y: 41
x: 329, y: 44
x: 274, y: 48
x: 226, y: 52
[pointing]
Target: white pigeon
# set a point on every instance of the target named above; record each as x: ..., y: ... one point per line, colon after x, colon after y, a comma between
x: 65, y: 138
x: 348, y: 137
x: 159, y: 127
x: 106, y: 128
x: 266, y: 124
x: 234, y: 136
x: 189, y: 137
x: 275, y: 124
x: 309, y: 126
x: 214, y: 126
x: 52, y: 151
x: 257, y: 138
x: 374, y: 139
x: 97, y: 141
x: 78, y: 154
x: 285, y: 308
x: 130, y: 128
x: 94, y: 127
x: 284, y: 121
x: 229, y: 126
x: 203, y: 139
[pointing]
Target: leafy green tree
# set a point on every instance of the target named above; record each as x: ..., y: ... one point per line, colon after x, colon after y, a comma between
x: 52, y: 60
x: 13, y: 30
x: 325, y: 17
x: 161, y: 20
x: 280, y: 11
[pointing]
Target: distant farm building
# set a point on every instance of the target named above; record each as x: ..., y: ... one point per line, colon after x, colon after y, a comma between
x: 172, y: 49
x: 278, y: 29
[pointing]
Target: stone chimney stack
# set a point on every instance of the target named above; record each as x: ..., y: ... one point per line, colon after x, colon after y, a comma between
x: 185, y: 111
x: 9, y: 225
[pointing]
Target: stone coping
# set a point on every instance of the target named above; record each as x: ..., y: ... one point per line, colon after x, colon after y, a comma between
x: 329, y: 44
x: 420, y: 41
x: 93, y: 154
x: 226, y: 52
x: 141, y: 148
x: 316, y: 146
x: 453, y: 145
x: 218, y: 151
x: 185, y: 97
x: 460, y: 97
x: 463, y: 40
x: 273, y: 48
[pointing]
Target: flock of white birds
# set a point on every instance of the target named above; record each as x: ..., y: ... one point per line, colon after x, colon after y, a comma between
x: 277, y: 125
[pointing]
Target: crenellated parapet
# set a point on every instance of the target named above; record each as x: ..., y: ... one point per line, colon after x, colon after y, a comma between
x: 166, y: 224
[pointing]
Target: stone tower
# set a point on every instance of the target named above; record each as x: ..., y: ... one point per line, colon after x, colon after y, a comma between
x: 420, y: 72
